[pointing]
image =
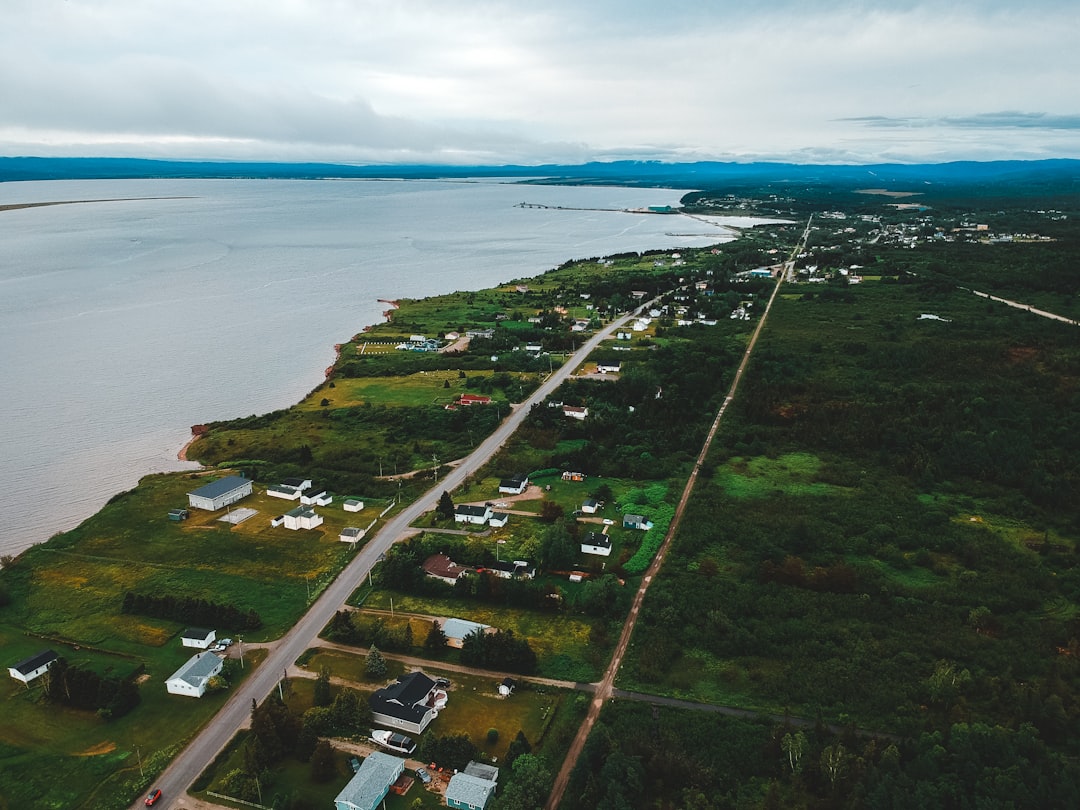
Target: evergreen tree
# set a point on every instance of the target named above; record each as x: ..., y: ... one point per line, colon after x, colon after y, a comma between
x: 323, y: 768
x: 446, y: 505
x: 375, y: 665
x: 436, y: 639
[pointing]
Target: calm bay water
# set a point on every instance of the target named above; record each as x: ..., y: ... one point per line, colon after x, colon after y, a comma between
x: 123, y: 323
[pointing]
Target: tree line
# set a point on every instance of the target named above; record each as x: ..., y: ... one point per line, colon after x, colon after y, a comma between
x: 82, y: 688
x: 190, y: 610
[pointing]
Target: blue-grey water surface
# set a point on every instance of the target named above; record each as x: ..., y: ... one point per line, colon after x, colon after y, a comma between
x: 123, y: 323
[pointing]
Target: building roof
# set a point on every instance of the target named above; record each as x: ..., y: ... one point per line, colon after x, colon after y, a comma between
x: 301, y: 511
x: 472, y: 511
x: 596, y: 539
x: 459, y: 628
x: 401, y: 698
x: 590, y: 502
x: 482, y: 770
x: 350, y: 531
x: 369, y: 784
x: 468, y: 789
x: 36, y: 661
x: 197, y: 669
x: 197, y: 633
x: 439, y: 565
x: 216, y: 489
x: 516, y: 480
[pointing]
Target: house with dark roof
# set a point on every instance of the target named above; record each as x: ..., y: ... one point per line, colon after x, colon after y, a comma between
x: 498, y: 520
x: 410, y: 703
x: 198, y: 637
x: 351, y: 534
x: 636, y: 522
x: 506, y: 688
x: 596, y: 543
x: 370, y: 783
x: 192, y: 679
x: 590, y: 506
x: 443, y: 568
x: 33, y: 667
x: 219, y: 494
x: 302, y: 517
x: 514, y: 485
x: 478, y: 515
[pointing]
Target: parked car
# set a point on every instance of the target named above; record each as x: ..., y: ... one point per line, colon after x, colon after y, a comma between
x: 442, y: 683
x: 153, y: 796
x: 609, y: 522
x: 423, y: 775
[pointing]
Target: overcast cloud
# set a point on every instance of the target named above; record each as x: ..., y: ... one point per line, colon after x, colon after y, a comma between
x: 503, y: 81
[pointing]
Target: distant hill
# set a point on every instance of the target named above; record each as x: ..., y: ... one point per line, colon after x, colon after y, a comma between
x: 644, y: 173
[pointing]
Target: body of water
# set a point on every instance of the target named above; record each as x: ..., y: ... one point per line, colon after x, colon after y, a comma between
x: 125, y: 322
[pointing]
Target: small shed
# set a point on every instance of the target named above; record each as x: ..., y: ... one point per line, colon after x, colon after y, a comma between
x: 507, y: 687
x: 353, y: 505
x: 636, y: 522
x: 351, y: 534
x: 177, y: 515
x: 198, y: 637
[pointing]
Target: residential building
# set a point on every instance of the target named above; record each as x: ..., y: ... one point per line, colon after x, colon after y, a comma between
x: 636, y: 522
x: 596, y: 543
x: 478, y: 515
x: 220, y: 493
x: 33, y: 667
x: 198, y: 637
x: 193, y: 677
x: 302, y: 517
x: 443, y: 568
x: 514, y: 485
x: 410, y: 703
x: 456, y: 630
x: 370, y: 783
x: 468, y: 792
x: 351, y: 534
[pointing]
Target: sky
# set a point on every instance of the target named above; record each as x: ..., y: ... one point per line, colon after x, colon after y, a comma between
x: 495, y: 82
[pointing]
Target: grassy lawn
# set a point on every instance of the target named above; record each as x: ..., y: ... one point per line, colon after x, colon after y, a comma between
x: 561, y: 642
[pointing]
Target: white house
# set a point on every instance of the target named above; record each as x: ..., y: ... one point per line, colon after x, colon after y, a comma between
x: 636, y: 522
x: 478, y: 515
x: 575, y: 412
x: 590, y: 506
x: 507, y: 686
x: 316, y: 497
x: 353, y: 505
x: 498, y: 520
x: 370, y: 783
x: 302, y: 517
x: 220, y: 493
x: 198, y: 637
x: 192, y: 678
x: 351, y: 534
x: 33, y: 667
x: 514, y: 485
x: 596, y: 543
x: 608, y: 368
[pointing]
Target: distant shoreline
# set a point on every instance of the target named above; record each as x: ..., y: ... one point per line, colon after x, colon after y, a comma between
x: 17, y: 206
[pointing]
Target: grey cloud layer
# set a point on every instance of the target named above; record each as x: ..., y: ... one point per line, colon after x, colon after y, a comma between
x: 525, y: 82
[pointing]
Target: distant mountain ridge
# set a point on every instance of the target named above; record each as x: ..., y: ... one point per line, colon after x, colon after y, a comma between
x: 651, y: 173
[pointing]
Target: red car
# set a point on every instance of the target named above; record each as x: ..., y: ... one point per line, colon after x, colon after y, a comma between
x: 155, y: 794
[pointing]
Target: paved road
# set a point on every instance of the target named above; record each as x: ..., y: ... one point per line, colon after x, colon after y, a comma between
x: 194, y: 759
